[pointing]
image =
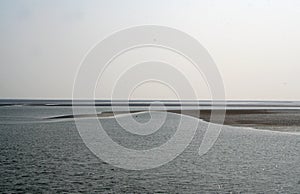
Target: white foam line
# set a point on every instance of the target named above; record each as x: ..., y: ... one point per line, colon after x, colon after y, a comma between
x: 126, y: 114
x: 96, y: 117
x: 228, y: 126
x: 264, y: 130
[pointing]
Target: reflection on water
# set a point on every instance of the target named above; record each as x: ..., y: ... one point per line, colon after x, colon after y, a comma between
x: 51, y: 157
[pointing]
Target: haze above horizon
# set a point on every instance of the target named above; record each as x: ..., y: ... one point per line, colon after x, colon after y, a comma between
x: 255, y: 45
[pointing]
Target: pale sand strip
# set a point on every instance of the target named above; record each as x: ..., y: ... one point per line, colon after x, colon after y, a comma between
x: 279, y: 120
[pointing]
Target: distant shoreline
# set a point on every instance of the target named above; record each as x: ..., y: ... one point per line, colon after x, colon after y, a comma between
x: 227, y: 103
x: 272, y: 115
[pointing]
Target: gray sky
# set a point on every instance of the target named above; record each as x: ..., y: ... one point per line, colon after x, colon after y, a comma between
x: 255, y: 44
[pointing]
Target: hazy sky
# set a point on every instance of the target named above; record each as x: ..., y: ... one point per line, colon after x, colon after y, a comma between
x: 255, y: 44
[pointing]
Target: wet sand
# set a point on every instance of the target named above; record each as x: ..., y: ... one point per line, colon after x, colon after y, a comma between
x: 278, y: 120
x: 271, y: 119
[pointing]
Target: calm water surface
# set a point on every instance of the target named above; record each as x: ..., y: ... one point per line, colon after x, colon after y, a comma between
x: 41, y: 156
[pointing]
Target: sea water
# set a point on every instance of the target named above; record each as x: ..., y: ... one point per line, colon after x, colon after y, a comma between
x: 39, y: 155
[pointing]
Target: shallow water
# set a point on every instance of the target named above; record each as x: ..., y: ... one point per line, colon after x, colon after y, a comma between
x: 41, y: 156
